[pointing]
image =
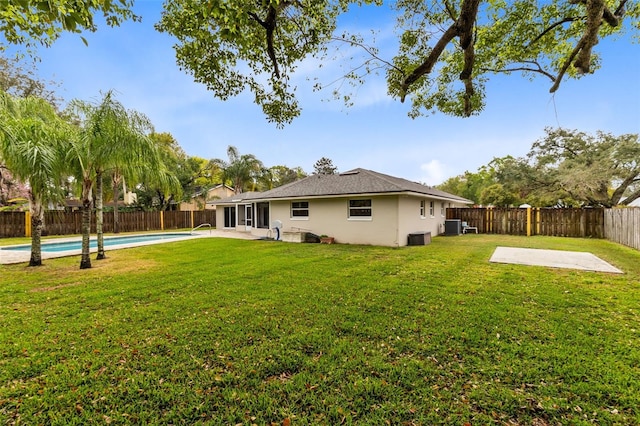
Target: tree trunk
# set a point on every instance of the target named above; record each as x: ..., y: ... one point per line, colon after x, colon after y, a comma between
x: 116, y: 195
x: 85, y: 260
x: 37, y: 220
x: 99, y: 217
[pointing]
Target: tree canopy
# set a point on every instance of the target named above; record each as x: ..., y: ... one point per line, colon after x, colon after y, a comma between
x: 20, y: 79
x: 324, y: 166
x: 29, y: 23
x: 242, y: 171
x: 446, y: 51
x: 32, y: 136
x: 563, y: 168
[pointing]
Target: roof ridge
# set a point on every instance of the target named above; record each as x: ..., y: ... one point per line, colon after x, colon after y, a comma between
x: 387, y: 178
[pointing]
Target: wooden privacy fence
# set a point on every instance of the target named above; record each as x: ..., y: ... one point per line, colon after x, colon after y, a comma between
x: 16, y: 224
x: 12, y: 224
x: 588, y: 222
x: 623, y: 226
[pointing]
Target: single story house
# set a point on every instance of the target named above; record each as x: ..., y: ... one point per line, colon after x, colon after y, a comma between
x: 200, y: 200
x: 355, y: 207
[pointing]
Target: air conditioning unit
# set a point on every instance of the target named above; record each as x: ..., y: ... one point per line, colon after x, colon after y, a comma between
x: 452, y: 227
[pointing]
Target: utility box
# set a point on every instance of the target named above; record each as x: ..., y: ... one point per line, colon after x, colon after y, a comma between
x: 419, y: 238
x: 452, y: 227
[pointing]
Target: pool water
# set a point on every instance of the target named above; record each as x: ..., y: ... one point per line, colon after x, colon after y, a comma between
x: 109, y: 241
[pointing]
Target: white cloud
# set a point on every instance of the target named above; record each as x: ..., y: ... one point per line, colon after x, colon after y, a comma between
x: 434, y: 172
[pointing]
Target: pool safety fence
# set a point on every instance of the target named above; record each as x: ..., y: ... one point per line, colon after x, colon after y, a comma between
x: 18, y: 224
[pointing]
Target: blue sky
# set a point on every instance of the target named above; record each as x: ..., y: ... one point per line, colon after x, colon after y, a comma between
x: 139, y: 64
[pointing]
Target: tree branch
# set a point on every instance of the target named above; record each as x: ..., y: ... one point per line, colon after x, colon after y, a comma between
x: 467, y: 18
x: 596, y: 13
x: 543, y: 33
x: 565, y: 67
x: 634, y: 196
x: 462, y: 28
x: 538, y: 70
x: 630, y: 179
x: 368, y: 51
x: 269, y: 24
x: 595, y: 10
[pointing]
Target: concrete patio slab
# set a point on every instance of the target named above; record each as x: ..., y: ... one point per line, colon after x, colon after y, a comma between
x: 552, y: 258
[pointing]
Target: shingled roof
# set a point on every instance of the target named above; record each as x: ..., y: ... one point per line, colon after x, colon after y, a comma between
x: 352, y: 183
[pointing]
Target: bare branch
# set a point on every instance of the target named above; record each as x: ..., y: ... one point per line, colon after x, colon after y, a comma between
x: 367, y: 50
x: 537, y: 70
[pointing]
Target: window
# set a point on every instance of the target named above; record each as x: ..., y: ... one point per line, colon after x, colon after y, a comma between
x: 300, y: 209
x: 360, y: 209
x: 442, y: 209
x: 431, y: 209
x: 423, y: 207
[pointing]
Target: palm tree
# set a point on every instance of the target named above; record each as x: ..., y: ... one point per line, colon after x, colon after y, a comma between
x: 81, y: 159
x: 32, y: 137
x: 111, y: 140
x: 241, y: 170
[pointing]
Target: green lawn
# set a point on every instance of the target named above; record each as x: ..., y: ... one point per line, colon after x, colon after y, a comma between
x: 223, y: 331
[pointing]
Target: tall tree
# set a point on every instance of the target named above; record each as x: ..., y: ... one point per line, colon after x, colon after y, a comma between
x: 85, y: 157
x: 164, y: 189
x: 32, y: 140
x: 469, y: 185
x: 20, y: 79
x: 324, y: 166
x: 275, y: 176
x: 242, y: 171
x: 447, y: 50
x: 497, y: 195
x: 111, y: 139
x: 136, y: 153
x: 595, y: 170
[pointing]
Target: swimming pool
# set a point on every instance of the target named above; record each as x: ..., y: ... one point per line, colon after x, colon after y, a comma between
x: 108, y: 242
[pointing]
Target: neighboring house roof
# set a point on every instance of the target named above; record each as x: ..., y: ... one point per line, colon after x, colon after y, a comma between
x: 354, y: 183
x: 212, y: 189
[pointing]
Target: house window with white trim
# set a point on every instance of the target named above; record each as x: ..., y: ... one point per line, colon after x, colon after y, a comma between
x: 442, y: 211
x: 360, y: 209
x: 299, y: 209
x: 423, y: 208
x: 431, y: 209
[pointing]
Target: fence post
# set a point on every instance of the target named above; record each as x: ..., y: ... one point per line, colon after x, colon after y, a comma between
x: 27, y: 223
x: 192, y: 223
x: 161, y: 220
x: 528, y: 221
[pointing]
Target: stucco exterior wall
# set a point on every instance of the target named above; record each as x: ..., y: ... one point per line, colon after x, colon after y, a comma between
x: 200, y: 203
x: 393, y: 218
x: 331, y: 217
x: 412, y: 221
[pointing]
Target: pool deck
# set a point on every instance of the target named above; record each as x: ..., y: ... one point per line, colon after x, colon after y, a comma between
x: 11, y: 256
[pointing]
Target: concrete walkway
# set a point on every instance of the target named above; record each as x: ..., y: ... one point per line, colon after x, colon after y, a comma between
x: 552, y: 258
x: 23, y: 256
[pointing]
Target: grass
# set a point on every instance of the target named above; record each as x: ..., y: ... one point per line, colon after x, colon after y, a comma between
x: 221, y: 331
